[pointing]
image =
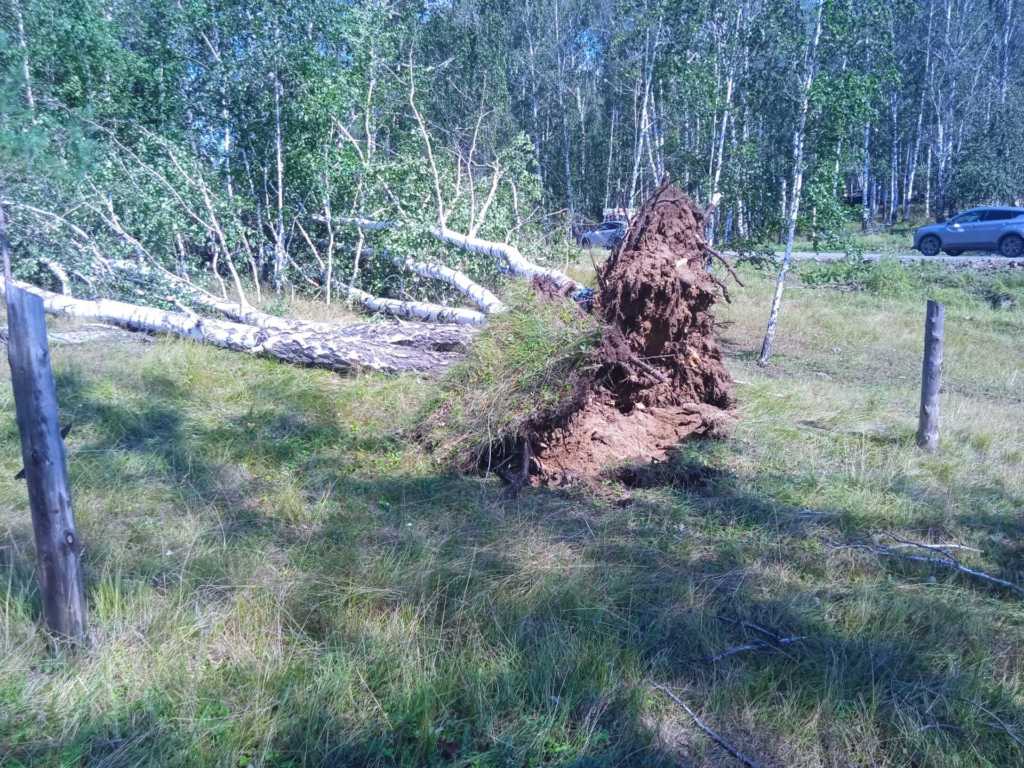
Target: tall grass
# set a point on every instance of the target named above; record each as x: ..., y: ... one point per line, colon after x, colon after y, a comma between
x: 279, y: 576
x: 522, y: 367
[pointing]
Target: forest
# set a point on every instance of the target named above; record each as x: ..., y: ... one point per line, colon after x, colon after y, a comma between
x: 244, y: 141
x: 333, y: 439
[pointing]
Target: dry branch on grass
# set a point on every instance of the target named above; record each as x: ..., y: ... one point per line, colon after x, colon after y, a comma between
x: 772, y: 641
x: 712, y: 734
x: 943, y: 558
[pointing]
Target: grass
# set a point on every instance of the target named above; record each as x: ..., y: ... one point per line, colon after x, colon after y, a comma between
x: 521, y: 368
x: 278, y: 576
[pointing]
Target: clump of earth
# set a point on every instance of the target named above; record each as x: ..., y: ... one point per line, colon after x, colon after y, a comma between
x: 657, y: 376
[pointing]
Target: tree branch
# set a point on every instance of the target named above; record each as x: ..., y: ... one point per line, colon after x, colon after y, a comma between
x: 747, y: 761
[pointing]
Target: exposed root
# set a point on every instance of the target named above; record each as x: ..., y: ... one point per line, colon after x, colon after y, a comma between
x: 658, y: 375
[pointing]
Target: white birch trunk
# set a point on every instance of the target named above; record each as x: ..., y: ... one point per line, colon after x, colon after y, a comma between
x: 865, y: 209
x: 908, y: 189
x: 518, y: 265
x: 415, y: 310
x: 928, y: 185
x: 487, y: 302
x: 26, y: 72
x: 798, y: 179
x: 363, y: 347
x: 611, y: 159
x: 1005, y: 51
x: 279, y: 251
x: 894, y: 161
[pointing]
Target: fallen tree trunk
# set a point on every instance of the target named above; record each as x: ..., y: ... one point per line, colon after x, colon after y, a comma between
x: 517, y: 264
x: 247, y: 314
x: 416, y: 310
x: 366, y: 346
x: 483, y: 298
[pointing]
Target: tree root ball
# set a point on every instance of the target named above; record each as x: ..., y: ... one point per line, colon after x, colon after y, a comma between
x: 657, y: 376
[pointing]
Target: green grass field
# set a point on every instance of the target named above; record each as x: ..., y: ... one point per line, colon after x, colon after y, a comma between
x: 278, y: 575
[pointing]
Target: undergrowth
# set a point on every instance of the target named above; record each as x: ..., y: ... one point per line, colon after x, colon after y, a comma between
x: 891, y: 278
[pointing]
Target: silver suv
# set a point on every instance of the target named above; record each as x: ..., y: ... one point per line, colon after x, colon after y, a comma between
x: 607, y: 235
x: 979, y: 229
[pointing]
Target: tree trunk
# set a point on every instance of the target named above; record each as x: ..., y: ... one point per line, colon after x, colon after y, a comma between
x: 908, y: 191
x: 518, y: 265
x: 611, y: 159
x: 931, y: 376
x: 416, y: 310
x: 369, y: 346
x: 928, y: 185
x: 785, y: 209
x: 894, y: 161
x: 798, y: 179
x: 280, y: 255
x: 26, y: 71
x: 865, y: 209
x: 483, y: 298
x: 638, y: 141
x: 1005, y: 53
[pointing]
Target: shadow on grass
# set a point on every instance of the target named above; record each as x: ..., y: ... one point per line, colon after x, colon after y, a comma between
x: 540, y: 623
x: 661, y: 609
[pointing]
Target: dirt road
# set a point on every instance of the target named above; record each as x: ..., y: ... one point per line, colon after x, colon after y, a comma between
x: 970, y: 261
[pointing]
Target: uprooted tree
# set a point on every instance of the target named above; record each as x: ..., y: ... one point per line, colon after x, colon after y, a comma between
x: 149, y: 236
x: 237, y: 325
x: 639, y: 376
x: 657, y: 375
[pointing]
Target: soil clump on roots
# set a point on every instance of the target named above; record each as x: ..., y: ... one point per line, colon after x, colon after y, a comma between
x: 657, y: 375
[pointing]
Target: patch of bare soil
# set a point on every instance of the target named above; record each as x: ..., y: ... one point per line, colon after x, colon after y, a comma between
x: 658, y: 375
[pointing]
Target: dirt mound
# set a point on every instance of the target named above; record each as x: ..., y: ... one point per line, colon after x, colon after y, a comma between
x: 658, y: 374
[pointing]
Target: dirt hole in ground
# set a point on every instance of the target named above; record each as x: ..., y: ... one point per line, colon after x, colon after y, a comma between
x: 657, y: 376
x: 671, y: 473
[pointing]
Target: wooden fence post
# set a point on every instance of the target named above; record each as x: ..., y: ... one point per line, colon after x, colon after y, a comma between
x: 931, y: 376
x: 58, y: 549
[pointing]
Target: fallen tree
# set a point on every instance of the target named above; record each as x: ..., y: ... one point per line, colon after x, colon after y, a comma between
x: 554, y: 395
x: 658, y: 375
x: 510, y: 257
x: 369, y: 346
x: 478, y: 294
x: 144, y: 265
x: 425, y: 311
x: 517, y: 264
x: 381, y: 347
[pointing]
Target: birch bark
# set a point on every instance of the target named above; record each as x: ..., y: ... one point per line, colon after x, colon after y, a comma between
x: 810, y: 66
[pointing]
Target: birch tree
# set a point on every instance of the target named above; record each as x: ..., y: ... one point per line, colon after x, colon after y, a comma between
x: 793, y: 209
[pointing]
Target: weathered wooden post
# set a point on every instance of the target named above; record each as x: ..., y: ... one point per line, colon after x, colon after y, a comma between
x: 58, y: 549
x: 931, y: 376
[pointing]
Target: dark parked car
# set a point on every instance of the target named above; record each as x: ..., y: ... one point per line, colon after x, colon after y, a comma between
x: 606, y: 235
x: 979, y: 229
